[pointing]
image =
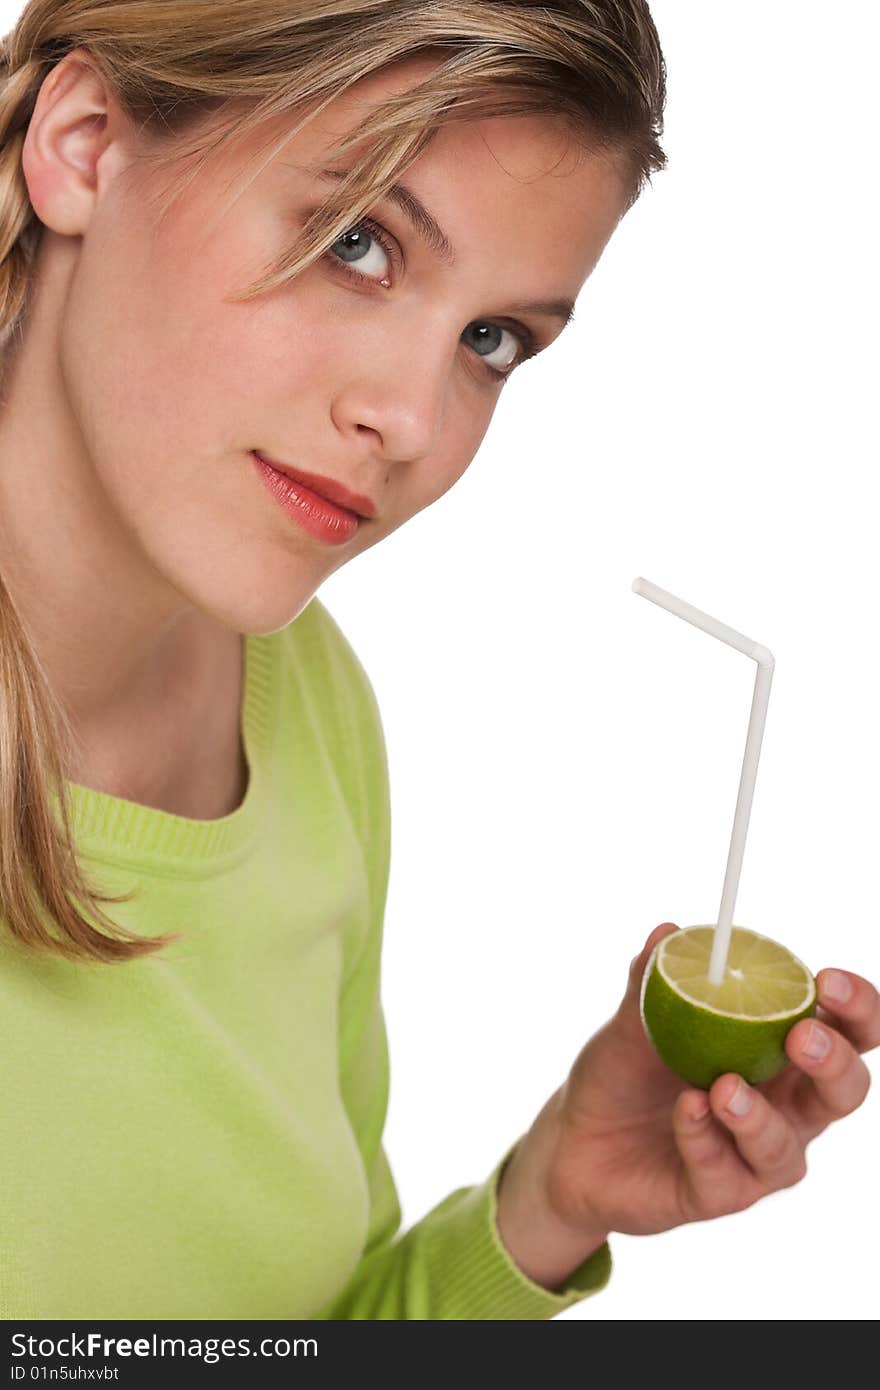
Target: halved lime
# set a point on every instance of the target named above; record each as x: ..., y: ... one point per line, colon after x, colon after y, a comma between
x: 701, y: 1030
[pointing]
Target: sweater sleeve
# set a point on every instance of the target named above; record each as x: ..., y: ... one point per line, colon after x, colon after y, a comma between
x: 452, y: 1264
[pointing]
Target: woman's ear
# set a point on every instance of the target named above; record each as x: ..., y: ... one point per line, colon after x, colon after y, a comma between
x: 77, y: 140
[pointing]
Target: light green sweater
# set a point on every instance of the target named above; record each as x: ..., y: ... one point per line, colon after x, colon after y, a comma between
x: 199, y: 1134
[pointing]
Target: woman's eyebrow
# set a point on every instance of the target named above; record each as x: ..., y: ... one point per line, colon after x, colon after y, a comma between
x: 429, y: 229
x: 562, y: 309
x: 421, y: 220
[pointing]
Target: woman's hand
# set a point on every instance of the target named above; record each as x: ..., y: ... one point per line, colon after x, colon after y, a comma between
x: 625, y: 1145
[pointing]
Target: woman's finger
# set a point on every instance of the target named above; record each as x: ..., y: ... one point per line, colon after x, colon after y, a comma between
x: 766, y: 1139
x: 854, y: 1006
x: 840, y: 1079
x: 717, y: 1180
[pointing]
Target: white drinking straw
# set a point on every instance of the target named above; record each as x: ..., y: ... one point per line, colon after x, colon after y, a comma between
x: 760, y: 698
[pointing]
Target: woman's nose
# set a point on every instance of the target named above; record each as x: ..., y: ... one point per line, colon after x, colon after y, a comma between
x: 393, y: 406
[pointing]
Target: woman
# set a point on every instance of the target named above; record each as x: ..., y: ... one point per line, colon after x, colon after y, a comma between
x: 257, y: 256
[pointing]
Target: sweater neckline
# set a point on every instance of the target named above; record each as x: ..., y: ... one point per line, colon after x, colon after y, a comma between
x: 118, y: 831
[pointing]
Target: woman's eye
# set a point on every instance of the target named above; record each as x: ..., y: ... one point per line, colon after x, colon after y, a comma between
x: 365, y: 252
x: 498, y: 347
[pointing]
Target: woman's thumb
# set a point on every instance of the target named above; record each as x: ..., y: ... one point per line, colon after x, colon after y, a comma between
x: 639, y: 962
x: 628, y: 1011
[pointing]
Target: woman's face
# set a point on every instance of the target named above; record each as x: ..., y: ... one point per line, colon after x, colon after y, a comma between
x: 379, y: 367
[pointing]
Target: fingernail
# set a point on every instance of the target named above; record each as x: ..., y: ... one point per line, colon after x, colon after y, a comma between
x: 740, y: 1102
x: 818, y: 1043
x: 836, y: 986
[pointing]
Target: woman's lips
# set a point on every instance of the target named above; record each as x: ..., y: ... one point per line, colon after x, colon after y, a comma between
x: 314, y: 514
x: 328, y: 488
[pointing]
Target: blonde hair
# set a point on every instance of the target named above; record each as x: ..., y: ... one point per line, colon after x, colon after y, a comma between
x: 193, y: 75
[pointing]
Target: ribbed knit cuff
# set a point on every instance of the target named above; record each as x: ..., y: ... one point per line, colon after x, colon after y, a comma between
x: 480, y: 1277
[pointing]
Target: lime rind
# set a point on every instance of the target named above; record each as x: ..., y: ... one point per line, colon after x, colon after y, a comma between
x: 700, y: 1042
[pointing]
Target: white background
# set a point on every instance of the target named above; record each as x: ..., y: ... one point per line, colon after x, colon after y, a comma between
x: 565, y: 755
